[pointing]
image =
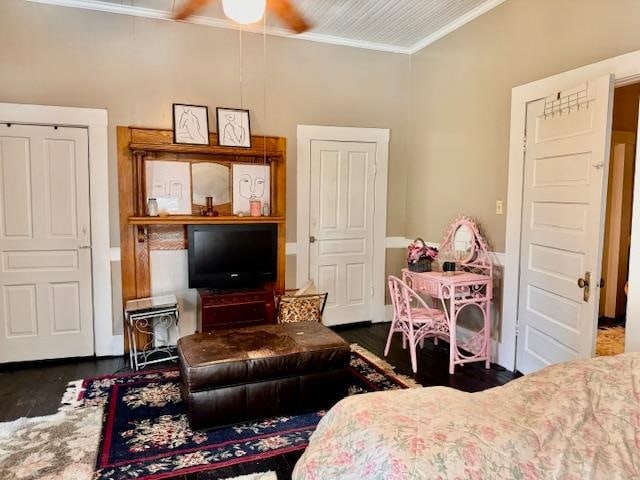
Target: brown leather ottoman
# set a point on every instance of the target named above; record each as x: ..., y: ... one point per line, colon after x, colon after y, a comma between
x: 230, y: 376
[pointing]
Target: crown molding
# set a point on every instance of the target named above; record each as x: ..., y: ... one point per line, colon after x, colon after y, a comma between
x: 132, y: 10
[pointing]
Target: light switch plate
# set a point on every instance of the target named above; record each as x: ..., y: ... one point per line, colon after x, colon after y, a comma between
x: 499, y: 209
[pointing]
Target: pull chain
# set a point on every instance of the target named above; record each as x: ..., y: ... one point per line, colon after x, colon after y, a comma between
x: 241, y: 85
x: 264, y: 88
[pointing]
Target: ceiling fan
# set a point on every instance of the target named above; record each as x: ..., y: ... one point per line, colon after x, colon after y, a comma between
x: 250, y: 11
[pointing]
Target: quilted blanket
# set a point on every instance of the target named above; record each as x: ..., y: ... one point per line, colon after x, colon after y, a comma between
x: 578, y: 420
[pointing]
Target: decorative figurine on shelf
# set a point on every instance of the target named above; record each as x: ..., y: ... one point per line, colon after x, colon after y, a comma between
x: 209, y: 211
x: 420, y: 256
x: 152, y: 207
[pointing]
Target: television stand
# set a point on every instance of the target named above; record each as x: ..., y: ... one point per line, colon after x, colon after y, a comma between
x: 234, y: 308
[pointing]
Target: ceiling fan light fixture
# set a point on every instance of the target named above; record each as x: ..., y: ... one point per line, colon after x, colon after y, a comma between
x: 244, y: 11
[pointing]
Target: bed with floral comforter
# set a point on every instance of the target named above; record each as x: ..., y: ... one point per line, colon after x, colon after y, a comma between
x: 578, y: 420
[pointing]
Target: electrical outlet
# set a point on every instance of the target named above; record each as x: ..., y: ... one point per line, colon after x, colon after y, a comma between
x: 499, y: 210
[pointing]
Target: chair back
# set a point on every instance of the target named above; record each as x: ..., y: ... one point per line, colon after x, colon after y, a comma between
x: 404, y: 299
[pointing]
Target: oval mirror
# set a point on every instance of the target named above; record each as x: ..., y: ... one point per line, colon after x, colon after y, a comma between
x: 210, y: 179
x: 464, y: 244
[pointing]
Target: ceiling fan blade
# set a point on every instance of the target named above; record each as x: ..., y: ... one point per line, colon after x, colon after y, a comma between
x: 189, y: 7
x: 289, y: 14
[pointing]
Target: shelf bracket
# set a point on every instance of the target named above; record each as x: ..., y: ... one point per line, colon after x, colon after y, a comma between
x: 142, y: 233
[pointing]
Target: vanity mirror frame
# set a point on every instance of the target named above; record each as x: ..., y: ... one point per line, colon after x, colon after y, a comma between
x: 478, y: 258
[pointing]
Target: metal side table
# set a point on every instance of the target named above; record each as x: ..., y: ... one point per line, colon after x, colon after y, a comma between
x: 145, y: 315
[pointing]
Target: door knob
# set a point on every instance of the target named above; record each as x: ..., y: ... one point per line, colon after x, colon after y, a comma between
x: 584, y: 284
x: 312, y: 239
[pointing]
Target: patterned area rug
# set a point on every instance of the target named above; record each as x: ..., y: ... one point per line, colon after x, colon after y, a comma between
x: 610, y: 341
x: 146, y: 434
x: 56, y: 447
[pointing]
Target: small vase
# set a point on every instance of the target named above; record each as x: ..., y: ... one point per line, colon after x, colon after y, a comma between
x: 152, y: 207
x: 210, y: 212
x: 255, y: 207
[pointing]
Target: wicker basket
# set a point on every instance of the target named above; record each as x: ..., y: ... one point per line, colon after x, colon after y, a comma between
x: 422, y: 265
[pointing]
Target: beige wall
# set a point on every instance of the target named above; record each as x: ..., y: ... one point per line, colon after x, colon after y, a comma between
x: 460, y: 102
x: 135, y: 68
x: 447, y: 106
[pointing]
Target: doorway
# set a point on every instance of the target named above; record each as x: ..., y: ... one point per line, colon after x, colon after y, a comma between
x: 624, y: 70
x: 562, y: 207
x: 617, y: 236
x: 341, y: 216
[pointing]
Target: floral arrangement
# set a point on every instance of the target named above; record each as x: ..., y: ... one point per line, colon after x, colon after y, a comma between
x: 418, y: 250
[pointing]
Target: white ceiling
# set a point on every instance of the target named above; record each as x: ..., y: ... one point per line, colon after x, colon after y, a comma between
x: 402, y: 26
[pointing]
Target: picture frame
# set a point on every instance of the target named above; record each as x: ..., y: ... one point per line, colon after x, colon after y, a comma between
x: 249, y: 180
x: 169, y: 182
x: 190, y: 124
x: 234, y: 127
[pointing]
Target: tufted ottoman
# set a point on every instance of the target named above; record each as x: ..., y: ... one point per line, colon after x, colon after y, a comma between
x: 234, y: 375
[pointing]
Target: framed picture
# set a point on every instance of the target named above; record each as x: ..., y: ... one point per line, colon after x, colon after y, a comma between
x: 190, y: 124
x: 170, y: 184
x: 234, y: 129
x: 250, y: 181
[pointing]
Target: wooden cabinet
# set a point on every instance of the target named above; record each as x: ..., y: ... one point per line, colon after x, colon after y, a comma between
x: 238, y: 308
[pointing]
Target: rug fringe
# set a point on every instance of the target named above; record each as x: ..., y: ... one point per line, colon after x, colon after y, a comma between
x: 382, y: 364
x: 71, y: 398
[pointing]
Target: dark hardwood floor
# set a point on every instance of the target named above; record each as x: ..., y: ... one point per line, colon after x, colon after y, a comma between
x: 35, y: 389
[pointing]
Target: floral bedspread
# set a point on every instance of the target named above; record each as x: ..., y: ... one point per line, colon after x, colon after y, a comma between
x: 578, y: 420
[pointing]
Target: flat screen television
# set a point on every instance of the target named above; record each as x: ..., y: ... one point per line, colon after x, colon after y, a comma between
x: 232, y: 256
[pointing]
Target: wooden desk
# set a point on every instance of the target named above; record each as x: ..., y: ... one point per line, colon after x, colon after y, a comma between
x: 455, y: 292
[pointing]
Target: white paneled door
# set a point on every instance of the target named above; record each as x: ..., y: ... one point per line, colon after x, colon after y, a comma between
x: 45, y: 243
x: 341, y: 227
x: 564, y: 196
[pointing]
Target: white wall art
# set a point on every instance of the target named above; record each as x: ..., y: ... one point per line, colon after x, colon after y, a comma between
x: 250, y: 181
x: 170, y: 184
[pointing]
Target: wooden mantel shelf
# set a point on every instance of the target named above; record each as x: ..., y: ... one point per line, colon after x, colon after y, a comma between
x: 204, y: 149
x: 198, y: 220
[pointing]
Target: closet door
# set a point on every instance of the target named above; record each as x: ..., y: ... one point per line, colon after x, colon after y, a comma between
x: 45, y: 243
x: 341, y: 227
